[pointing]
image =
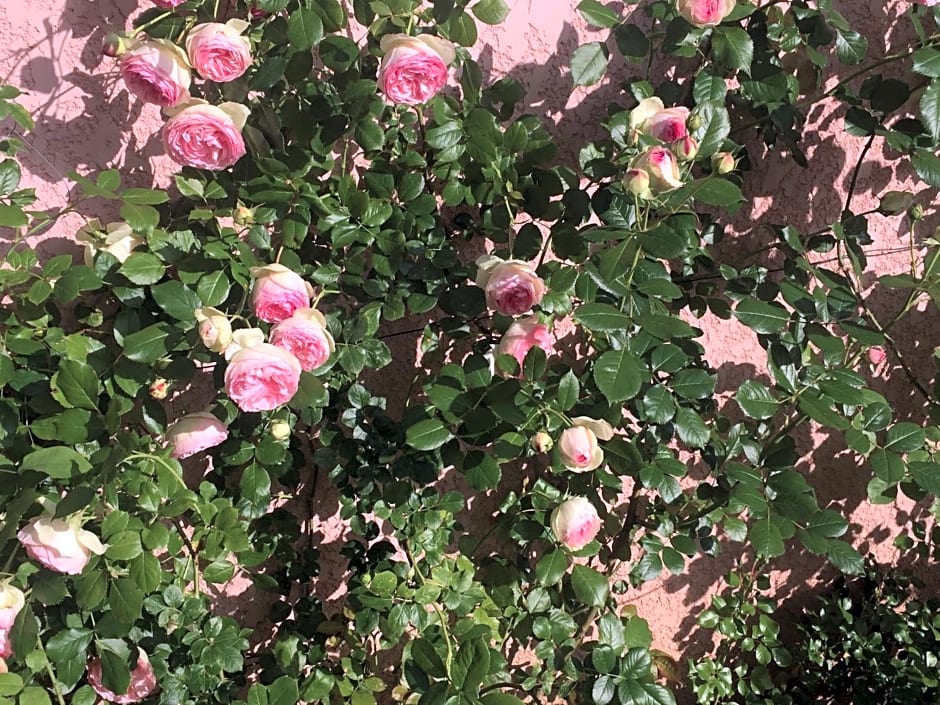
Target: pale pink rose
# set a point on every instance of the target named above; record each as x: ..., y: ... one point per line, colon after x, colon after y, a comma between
x: 578, y: 444
x: 512, y: 287
x: 522, y: 336
x: 117, y: 239
x: 219, y: 51
x: 653, y: 118
x: 12, y: 600
x: 877, y: 355
x: 195, y: 433
x: 6, y: 648
x: 155, y: 70
x: 168, y: 4
x: 215, y: 330
x: 59, y: 544
x: 261, y: 378
x: 278, y: 292
x: 928, y: 3
x: 143, y: 681
x: 414, y: 69
x: 575, y: 523
x: 705, y: 13
x: 206, y: 136
x: 662, y: 167
x: 305, y: 336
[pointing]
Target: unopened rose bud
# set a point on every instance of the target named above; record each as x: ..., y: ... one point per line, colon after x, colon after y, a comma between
x: 158, y: 388
x: 637, y: 182
x: 280, y: 430
x: 215, y: 330
x: 895, y: 202
x: 877, y: 355
x: 113, y: 45
x: 686, y: 148
x: 542, y: 442
x: 915, y: 212
x: 723, y: 163
x: 575, y: 523
x: 694, y: 122
x: 243, y: 215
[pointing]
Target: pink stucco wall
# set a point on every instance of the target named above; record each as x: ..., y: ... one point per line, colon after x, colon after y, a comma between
x: 86, y: 121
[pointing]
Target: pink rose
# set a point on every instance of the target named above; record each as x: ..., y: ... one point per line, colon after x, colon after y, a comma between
x: 662, y: 167
x: 305, y: 336
x: 653, y: 118
x: 278, y: 292
x: 6, y: 649
x: 59, y: 544
x: 219, y: 51
x: 414, y: 69
x: 705, y: 13
x: 12, y: 600
x: 261, y: 378
x: 877, y: 355
x: 512, y: 287
x: 522, y: 336
x: 168, y: 4
x: 215, y: 330
x: 143, y: 681
x: 578, y: 445
x: 195, y: 433
x: 156, y: 71
x: 206, y: 136
x: 575, y: 523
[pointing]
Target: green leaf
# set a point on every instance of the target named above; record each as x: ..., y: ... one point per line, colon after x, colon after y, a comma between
x: 34, y: 695
x: 58, y: 462
x: 143, y: 268
x: 930, y: 109
x: 927, y: 62
x: 284, y: 691
x: 126, y: 600
x: 304, y: 29
x: 717, y: 192
x: 602, y: 317
x: 427, y: 435
x: 766, y: 537
x: 145, y: 196
x: 67, y: 651
x: 756, y: 400
x: 589, y: 63
x: 733, y: 47
x: 213, y: 288
x: 147, y: 345
x: 693, y: 384
x: 427, y: 658
x: 598, y: 15
x: 927, y: 166
x: 551, y: 567
x: 141, y: 218
x: 490, y: 11
x: 761, y: 316
x: 10, y: 684
x: 497, y: 698
x: 124, y: 546
x: 589, y: 586
x: 177, y: 300
x: 569, y: 389
x: 9, y: 176
x: 11, y: 216
x: 851, y: 46
x: 845, y: 558
x: 75, y: 384
x: 904, y: 437
x: 691, y: 428
x: 618, y: 374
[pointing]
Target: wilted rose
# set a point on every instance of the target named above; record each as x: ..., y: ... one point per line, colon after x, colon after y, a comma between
x: 304, y: 334
x: 156, y: 71
x: 262, y: 377
x: 143, y: 681
x: 195, y: 433
x: 206, y: 136
x: 117, y: 239
x: 512, y: 287
x: 414, y: 69
x: 662, y: 167
x: 59, y: 544
x: 575, y: 523
x: 277, y: 292
x: 219, y: 52
x: 522, y: 336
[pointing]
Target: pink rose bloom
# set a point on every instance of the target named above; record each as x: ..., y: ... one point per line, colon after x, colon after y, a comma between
x: 12, y: 600
x: 575, y: 523
x: 218, y: 51
x: 168, y: 4
x: 261, y: 378
x: 578, y: 445
x: 653, y: 118
x: 662, y: 167
x: 195, y: 433
x: 305, y: 336
x: 512, y: 287
x: 156, y: 71
x: 524, y: 335
x: 278, y: 292
x: 6, y: 648
x: 206, y: 136
x: 705, y: 13
x: 877, y: 355
x: 59, y: 544
x: 143, y: 681
x: 414, y: 69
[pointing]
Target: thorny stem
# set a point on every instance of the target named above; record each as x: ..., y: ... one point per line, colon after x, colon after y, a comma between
x: 193, y: 553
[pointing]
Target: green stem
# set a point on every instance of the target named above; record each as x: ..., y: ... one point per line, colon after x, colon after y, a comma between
x: 150, y: 23
x: 52, y: 679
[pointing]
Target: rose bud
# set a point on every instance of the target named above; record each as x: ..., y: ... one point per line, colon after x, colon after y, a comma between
x: 637, y: 182
x: 262, y: 377
x: 156, y: 71
x: 277, y: 292
x: 653, y: 118
x: 895, y: 202
x: 512, y: 287
x: 661, y: 166
x: 877, y: 355
x: 541, y: 442
x: 280, y: 430
x: 219, y: 51
x: 215, y: 329
x: 686, y: 148
x: 915, y: 212
x: 705, y: 13
x: 305, y: 336
x: 195, y: 433
x: 578, y: 445
x: 159, y: 388
x: 414, y: 69
x: 524, y: 335
x: 113, y: 45
x: 575, y: 523
x: 59, y: 544
x: 206, y: 136
x: 243, y: 215
x: 723, y: 162
x: 117, y: 239
x: 143, y: 681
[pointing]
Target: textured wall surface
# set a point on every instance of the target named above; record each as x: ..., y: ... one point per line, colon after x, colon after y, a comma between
x: 86, y: 121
